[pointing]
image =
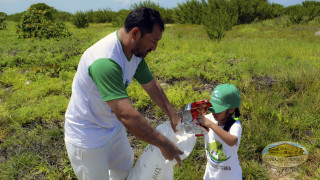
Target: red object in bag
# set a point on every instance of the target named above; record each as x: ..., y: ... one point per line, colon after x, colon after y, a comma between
x: 199, y: 107
x: 191, y: 115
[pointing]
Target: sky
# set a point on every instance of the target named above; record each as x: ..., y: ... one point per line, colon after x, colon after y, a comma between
x: 72, y: 6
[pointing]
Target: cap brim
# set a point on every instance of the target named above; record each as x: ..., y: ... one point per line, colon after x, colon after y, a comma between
x: 216, y: 108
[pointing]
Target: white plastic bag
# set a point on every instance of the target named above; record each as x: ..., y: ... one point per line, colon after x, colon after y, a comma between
x: 152, y: 165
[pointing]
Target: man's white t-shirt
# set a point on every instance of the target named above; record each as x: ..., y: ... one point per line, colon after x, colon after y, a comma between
x: 103, y: 74
x: 222, y: 159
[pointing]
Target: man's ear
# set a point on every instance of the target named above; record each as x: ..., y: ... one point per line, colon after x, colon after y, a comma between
x: 135, y: 33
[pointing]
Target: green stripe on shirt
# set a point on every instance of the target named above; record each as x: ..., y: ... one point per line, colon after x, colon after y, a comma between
x: 143, y: 74
x: 108, y: 76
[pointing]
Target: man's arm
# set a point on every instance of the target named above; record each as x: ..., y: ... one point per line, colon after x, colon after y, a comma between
x: 139, y: 127
x: 158, y: 96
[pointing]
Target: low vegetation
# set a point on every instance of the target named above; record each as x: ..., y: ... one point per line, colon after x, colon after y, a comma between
x: 274, y: 62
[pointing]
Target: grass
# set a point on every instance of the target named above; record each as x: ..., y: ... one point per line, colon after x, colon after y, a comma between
x: 275, y: 67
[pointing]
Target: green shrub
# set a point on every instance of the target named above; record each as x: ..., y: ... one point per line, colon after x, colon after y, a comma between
x: 90, y: 16
x: 120, y: 17
x: 15, y: 17
x: 118, y: 21
x: 296, y: 13
x: 80, y: 20
x: 189, y: 12
x: 37, y: 23
x: 100, y: 16
x: 52, y: 13
x: 61, y: 15
x: 254, y: 10
x: 47, y: 10
x: 219, y: 16
x: 166, y: 14
x: 103, y: 15
x: 3, y: 17
x: 312, y: 9
x: 147, y: 3
x: 277, y: 10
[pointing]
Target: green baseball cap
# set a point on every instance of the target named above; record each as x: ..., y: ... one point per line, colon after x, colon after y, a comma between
x: 224, y: 97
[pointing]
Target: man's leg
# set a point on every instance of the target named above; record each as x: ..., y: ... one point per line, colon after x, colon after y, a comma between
x: 120, y: 156
x: 89, y: 163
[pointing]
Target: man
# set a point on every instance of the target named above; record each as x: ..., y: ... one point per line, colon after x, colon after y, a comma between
x: 100, y: 109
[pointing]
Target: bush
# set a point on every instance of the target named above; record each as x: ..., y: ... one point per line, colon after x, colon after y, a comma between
x: 47, y: 10
x: 103, y: 15
x: 263, y: 10
x: 254, y: 10
x: 90, y: 16
x: 277, y: 10
x: 15, y: 17
x: 3, y: 17
x: 120, y: 17
x: 166, y: 14
x: 296, y: 13
x: 189, y: 12
x: 37, y: 23
x: 219, y: 16
x: 312, y: 9
x: 100, y: 16
x: 308, y: 11
x: 61, y: 15
x: 80, y: 20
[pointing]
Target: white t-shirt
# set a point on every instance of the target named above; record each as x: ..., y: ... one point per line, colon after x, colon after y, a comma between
x: 103, y: 74
x: 222, y: 159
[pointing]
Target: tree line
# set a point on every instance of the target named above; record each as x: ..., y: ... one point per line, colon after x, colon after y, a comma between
x: 217, y: 16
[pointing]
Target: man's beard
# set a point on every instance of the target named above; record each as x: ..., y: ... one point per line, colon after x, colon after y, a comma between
x: 138, y: 53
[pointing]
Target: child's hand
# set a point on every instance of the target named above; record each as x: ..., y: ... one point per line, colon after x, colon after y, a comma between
x: 204, y: 121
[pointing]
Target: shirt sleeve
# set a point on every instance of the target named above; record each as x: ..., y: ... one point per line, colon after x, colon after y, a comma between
x: 107, y: 75
x: 143, y: 74
x: 236, y: 130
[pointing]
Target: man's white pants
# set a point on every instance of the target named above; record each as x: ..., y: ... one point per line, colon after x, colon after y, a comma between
x: 112, y: 161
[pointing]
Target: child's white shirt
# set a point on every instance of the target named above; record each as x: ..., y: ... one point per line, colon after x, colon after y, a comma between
x: 222, y: 159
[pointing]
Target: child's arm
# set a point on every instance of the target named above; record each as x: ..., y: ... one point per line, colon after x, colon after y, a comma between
x: 229, y: 139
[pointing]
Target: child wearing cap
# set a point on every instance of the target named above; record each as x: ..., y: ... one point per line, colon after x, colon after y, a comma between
x: 223, y: 139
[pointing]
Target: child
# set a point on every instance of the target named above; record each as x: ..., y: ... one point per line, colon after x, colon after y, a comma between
x: 223, y: 139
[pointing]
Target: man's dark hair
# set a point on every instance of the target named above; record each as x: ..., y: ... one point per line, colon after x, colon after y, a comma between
x: 144, y: 18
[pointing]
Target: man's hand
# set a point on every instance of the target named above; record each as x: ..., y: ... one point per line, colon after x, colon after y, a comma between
x: 170, y: 151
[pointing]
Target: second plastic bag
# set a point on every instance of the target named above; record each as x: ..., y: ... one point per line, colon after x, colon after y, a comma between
x: 152, y: 165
